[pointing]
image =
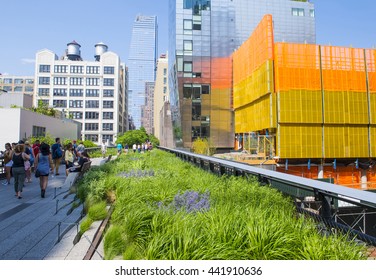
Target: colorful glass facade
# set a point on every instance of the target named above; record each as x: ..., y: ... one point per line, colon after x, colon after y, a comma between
x: 319, y: 104
x: 203, y: 35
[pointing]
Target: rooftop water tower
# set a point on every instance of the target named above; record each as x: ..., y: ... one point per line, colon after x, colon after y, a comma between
x: 73, y: 51
x: 100, y: 49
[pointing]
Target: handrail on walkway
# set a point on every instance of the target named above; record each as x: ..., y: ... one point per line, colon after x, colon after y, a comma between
x: 331, y: 197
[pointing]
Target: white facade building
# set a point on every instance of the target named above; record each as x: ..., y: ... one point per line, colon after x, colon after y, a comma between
x: 91, y: 92
x: 22, y: 124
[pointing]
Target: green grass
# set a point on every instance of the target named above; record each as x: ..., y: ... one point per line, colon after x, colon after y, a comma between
x: 245, y: 220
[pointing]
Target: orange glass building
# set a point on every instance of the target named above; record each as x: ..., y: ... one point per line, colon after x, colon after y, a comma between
x: 311, y: 108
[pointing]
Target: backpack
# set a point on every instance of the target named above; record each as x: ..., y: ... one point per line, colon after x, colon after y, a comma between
x: 57, y: 153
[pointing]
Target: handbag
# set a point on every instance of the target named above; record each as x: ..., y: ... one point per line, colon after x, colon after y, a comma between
x: 27, y: 165
x: 37, y: 173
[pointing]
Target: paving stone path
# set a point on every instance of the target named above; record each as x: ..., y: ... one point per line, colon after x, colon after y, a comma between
x: 35, y: 228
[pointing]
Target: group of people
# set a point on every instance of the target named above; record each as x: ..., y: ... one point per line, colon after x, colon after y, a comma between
x: 19, y: 158
x: 147, y: 146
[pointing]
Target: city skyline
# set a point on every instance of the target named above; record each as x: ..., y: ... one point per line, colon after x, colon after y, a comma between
x: 30, y: 26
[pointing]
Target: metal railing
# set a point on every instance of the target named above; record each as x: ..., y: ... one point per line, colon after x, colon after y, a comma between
x: 337, y: 207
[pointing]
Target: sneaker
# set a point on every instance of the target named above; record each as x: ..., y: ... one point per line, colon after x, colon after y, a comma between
x: 5, y: 183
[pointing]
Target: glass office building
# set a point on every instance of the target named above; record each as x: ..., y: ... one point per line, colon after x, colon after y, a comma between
x: 203, y: 35
x: 141, y: 63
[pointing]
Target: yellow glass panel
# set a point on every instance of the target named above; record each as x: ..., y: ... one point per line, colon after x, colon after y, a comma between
x: 343, y: 141
x: 300, y: 106
x: 299, y: 141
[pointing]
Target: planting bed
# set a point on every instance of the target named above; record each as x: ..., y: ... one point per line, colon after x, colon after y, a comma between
x: 184, y: 213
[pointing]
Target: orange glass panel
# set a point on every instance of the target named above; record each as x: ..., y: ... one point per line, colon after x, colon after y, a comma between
x: 297, y: 66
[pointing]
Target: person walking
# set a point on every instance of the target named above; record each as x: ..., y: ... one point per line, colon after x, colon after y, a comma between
x: 69, y: 158
x: 134, y: 147
x: 28, y: 165
x: 119, y: 148
x: 18, y: 168
x: 43, y: 164
x: 103, y: 148
x: 8, y: 163
x: 57, y: 154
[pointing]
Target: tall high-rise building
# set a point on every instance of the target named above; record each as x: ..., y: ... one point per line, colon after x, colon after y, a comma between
x: 147, y: 119
x: 141, y: 63
x: 160, y: 92
x: 203, y: 35
x: 91, y: 92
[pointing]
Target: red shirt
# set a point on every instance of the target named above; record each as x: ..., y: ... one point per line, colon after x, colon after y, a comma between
x: 35, y: 149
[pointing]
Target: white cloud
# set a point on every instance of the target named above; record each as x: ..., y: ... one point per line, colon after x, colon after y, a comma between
x: 27, y: 60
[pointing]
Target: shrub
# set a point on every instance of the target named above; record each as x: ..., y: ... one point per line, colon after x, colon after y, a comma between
x: 98, y: 211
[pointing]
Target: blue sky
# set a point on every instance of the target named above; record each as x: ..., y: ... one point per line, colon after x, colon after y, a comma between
x: 29, y: 26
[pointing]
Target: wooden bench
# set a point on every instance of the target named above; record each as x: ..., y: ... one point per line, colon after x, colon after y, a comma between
x: 108, y: 159
x: 85, y: 167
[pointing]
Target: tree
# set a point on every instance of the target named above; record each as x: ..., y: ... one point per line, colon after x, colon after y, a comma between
x: 136, y: 137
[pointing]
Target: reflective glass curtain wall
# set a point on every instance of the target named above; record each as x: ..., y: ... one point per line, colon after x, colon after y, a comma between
x: 203, y: 36
x: 141, y: 63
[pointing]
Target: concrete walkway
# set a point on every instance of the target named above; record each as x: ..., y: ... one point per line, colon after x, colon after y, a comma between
x: 35, y: 228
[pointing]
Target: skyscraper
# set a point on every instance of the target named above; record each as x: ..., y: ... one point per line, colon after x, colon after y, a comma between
x: 203, y: 35
x: 141, y: 63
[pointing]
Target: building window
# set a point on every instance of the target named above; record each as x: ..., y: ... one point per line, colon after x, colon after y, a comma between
x: 164, y: 81
x: 29, y: 81
x: 43, y: 91
x: 75, y: 103
x: 39, y: 131
x: 205, y: 89
x: 164, y: 89
x: 76, y: 92
x: 76, y: 115
x: 164, y: 71
x: 187, y: 45
x: 44, y: 68
x: 75, y: 81
x: 17, y: 89
x: 92, y: 115
x: 107, y: 126
x: 108, y: 104
x: 29, y: 89
x: 92, y: 81
x: 108, y: 115
x: 91, y: 104
x: 108, y: 93
x: 60, y: 92
x: 92, y: 93
x: 108, y: 82
x: 187, y: 66
x: 108, y: 70
x: 74, y: 69
x: 92, y: 69
x: 108, y: 137
x: 187, y: 24
x: 60, y: 103
x: 298, y: 12
x: 91, y: 137
x: 91, y: 126
x: 44, y: 80
x: 8, y: 81
x: 18, y: 81
x: 312, y: 13
x: 61, y: 69
x: 60, y: 81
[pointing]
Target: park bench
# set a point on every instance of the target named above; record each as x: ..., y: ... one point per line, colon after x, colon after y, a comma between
x: 108, y: 159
